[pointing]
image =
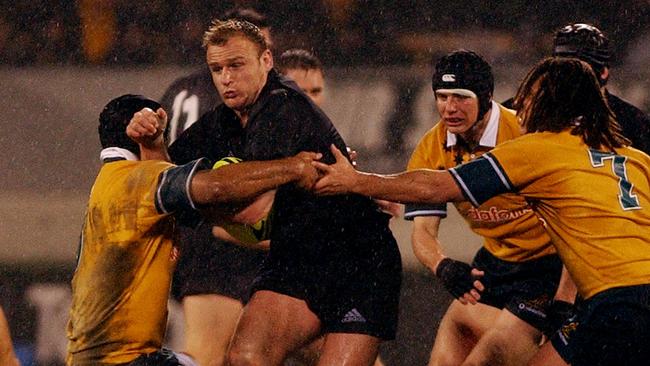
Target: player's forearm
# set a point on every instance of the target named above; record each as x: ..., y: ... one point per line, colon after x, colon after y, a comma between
x: 425, y: 243
x: 421, y: 186
x: 244, y: 181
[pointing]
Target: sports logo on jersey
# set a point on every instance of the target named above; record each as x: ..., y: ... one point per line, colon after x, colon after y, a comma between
x: 567, y: 330
x: 448, y: 78
x: 353, y: 316
x: 535, y: 306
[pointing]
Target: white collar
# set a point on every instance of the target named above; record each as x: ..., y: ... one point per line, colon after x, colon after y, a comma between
x: 489, y: 138
x: 117, y: 153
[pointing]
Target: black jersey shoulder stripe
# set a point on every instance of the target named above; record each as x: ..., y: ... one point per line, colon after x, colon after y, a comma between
x: 463, y: 187
x: 481, y: 179
x: 173, y: 191
x: 500, y: 171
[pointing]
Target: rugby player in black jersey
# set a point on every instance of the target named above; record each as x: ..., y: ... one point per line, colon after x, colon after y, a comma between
x: 213, y: 277
x: 333, y: 267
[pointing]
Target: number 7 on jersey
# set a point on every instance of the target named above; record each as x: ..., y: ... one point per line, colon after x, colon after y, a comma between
x: 627, y: 199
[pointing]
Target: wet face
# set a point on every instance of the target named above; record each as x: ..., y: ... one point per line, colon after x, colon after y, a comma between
x: 458, y: 112
x: 310, y: 81
x: 238, y: 71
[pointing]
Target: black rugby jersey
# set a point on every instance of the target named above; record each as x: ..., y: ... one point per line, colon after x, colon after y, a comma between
x: 282, y: 122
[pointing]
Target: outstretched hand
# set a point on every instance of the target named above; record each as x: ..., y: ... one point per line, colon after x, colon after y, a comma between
x: 309, y: 174
x: 146, y: 127
x: 337, y: 178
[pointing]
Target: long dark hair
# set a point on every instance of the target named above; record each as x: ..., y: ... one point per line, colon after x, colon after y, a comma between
x: 560, y: 93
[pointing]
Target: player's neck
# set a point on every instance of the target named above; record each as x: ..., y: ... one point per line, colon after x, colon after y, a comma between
x: 243, y: 116
x: 472, y: 137
x: 155, y: 152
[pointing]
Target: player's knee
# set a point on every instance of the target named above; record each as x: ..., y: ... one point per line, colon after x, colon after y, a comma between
x: 493, y: 349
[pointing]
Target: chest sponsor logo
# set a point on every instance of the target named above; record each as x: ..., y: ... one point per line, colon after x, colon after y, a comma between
x: 494, y: 214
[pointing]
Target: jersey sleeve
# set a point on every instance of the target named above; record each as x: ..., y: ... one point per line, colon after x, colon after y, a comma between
x: 482, y: 179
x: 173, y: 191
x: 421, y: 159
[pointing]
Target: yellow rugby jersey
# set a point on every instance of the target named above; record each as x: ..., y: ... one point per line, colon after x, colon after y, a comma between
x: 510, y: 229
x: 121, y: 285
x: 595, y: 204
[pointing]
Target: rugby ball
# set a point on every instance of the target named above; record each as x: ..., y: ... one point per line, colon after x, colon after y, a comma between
x: 252, y: 224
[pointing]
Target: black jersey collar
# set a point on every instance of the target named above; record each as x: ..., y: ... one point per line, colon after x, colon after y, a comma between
x: 275, y: 85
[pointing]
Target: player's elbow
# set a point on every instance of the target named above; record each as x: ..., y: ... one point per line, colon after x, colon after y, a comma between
x: 439, y: 187
x: 426, y: 186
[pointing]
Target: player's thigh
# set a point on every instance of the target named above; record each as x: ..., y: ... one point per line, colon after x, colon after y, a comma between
x: 459, y: 331
x: 349, y: 349
x: 509, y: 341
x: 210, y: 321
x: 272, y: 325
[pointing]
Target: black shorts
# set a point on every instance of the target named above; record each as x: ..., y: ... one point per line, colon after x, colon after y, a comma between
x: 211, y: 266
x: 357, y: 295
x: 611, y: 328
x: 525, y: 288
x: 162, y: 357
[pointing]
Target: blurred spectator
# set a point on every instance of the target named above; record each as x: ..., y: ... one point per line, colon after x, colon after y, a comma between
x: 57, y: 40
x: 189, y: 20
x: 348, y: 32
x: 143, y: 34
x: 98, y: 28
x: 38, y: 32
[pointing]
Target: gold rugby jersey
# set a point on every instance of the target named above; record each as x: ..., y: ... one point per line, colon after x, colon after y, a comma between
x: 121, y: 285
x: 595, y: 204
x: 510, y: 229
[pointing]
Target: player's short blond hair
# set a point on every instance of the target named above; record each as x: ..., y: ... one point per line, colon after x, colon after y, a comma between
x: 221, y: 31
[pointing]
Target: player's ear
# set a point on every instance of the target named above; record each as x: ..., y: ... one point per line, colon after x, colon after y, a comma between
x: 267, y: 59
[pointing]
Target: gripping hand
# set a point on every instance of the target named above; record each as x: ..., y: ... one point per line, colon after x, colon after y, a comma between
x: 456, y: 276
